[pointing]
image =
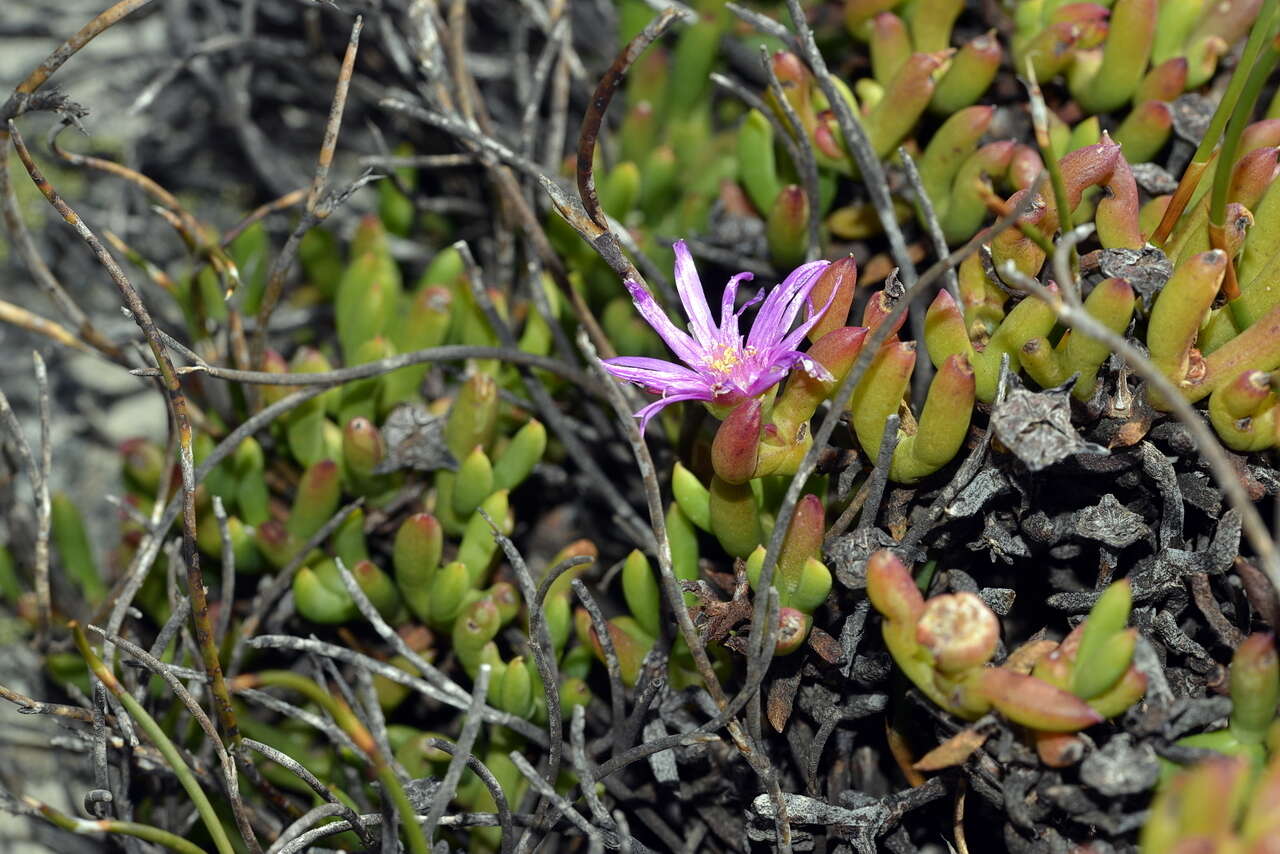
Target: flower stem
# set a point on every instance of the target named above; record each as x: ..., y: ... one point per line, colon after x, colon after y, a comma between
x: 126, y: 828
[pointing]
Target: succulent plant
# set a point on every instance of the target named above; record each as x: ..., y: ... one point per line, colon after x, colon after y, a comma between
x: 945, y: 644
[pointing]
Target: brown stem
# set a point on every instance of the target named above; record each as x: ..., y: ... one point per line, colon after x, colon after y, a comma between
x: 599, y: 104
x: 1181, y: 197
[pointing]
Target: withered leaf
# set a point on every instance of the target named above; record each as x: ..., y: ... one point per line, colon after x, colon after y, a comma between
x: 1036, y: 427
x: 782, y: 697
x: 953, y: 751
x: 415, y: 440
x: 1111, y: 523
x: 825, y: 645
x: 1146, y: 270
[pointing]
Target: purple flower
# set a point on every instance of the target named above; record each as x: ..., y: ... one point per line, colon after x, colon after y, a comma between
x: 720, y: 366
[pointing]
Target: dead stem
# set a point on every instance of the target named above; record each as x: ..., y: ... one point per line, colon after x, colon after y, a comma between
x: 599, y: 105
x: 37, y: 474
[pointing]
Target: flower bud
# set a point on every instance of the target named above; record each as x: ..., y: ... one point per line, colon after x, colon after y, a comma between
x: 736, y: 445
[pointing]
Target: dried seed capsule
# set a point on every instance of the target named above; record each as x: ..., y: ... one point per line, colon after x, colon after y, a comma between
x: 959, y: 631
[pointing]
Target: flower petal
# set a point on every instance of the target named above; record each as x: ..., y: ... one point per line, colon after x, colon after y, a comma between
x: 692, y: 295
x: 783, y: 304
x: 727, y: 302
x: 653, y: 374
x: 680, y: 343
x: 790, y: 341
x: 646, y: 414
